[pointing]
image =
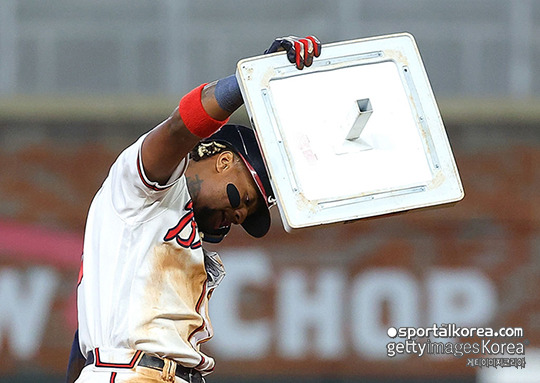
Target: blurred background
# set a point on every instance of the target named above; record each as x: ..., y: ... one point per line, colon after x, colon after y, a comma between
x: 81, y: 80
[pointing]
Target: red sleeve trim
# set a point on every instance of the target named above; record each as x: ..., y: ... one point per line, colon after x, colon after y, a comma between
x: 143, y: 178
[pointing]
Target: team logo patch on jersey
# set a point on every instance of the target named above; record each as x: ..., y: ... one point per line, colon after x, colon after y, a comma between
x: 185, y: 232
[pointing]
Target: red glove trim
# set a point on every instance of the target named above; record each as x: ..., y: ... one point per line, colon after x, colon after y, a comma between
x: 195, y: 117
x: 299, y: 58
x: 316, y: 46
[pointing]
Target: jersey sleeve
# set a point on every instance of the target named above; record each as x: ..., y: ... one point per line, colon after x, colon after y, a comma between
x: 150, y: 186
x: 130, y: 188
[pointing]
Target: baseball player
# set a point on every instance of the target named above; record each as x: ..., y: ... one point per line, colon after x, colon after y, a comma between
x: 146, y: 279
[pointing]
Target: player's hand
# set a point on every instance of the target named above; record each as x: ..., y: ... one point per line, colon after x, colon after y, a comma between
x: 299, y: 51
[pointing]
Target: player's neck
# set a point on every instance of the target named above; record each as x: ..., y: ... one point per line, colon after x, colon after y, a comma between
x: 195, y: 176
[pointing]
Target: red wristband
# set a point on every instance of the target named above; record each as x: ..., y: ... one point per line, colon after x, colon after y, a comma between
x: 195, y: 117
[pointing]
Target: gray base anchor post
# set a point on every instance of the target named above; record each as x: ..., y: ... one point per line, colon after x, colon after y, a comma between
x: 354, y: 123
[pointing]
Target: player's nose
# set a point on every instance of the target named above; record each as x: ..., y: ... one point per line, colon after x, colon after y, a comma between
x: 240, y: 215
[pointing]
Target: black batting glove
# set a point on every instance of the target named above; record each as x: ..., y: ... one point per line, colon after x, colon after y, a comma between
x: 299, y: 51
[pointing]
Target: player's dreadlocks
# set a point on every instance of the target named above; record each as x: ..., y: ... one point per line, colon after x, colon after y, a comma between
x: 208, y: 149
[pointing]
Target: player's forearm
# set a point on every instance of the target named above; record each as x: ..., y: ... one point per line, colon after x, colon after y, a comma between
x: 226, y: 92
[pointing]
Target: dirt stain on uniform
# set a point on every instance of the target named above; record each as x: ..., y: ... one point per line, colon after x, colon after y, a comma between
x: 176, y: 283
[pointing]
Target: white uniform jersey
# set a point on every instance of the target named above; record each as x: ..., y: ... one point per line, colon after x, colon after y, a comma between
x: 145, y: 284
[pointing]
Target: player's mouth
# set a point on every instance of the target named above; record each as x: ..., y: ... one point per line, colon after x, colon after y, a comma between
x: 225, y: 222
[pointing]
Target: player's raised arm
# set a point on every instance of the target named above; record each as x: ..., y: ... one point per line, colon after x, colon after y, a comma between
x: 205, y: 109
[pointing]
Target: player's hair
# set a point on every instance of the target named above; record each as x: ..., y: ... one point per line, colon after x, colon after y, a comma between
x: 209, y: 149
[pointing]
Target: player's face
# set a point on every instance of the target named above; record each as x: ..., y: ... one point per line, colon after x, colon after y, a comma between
x: 228, y: 199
